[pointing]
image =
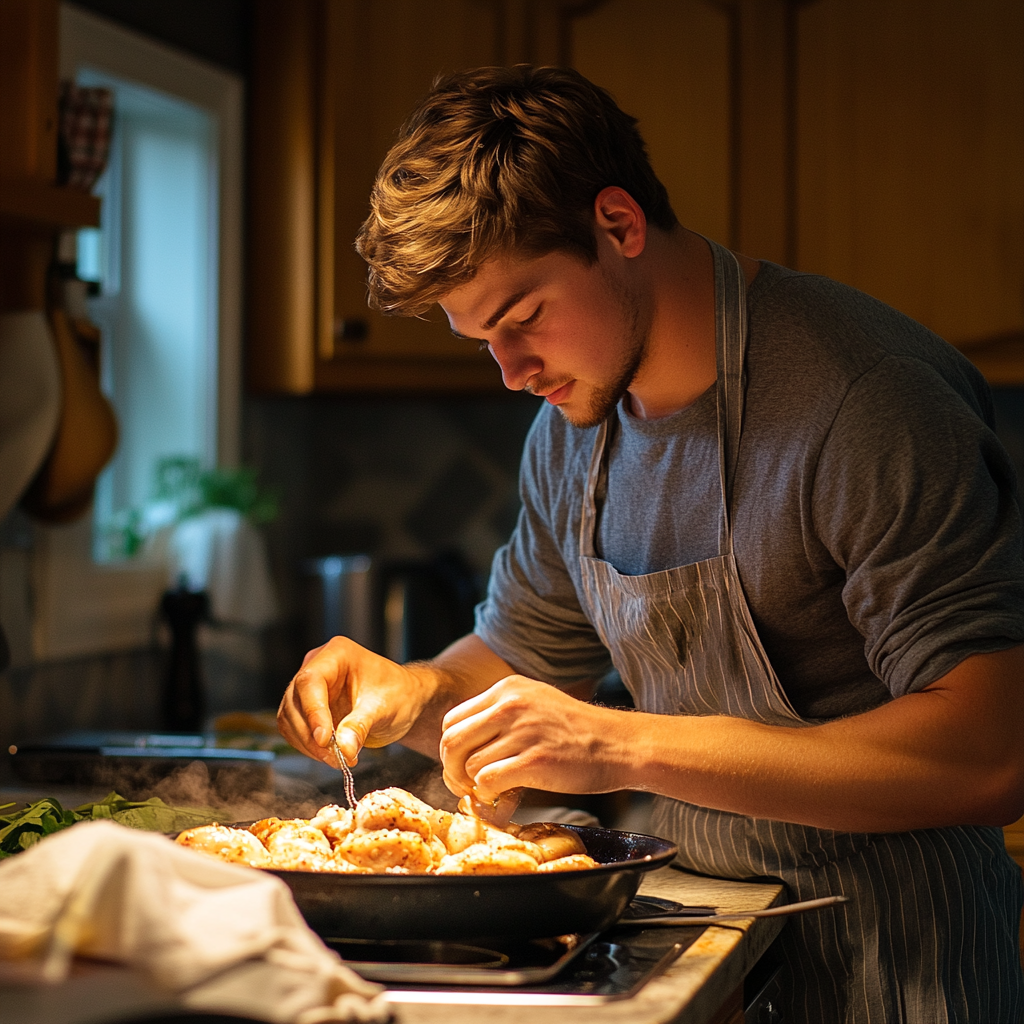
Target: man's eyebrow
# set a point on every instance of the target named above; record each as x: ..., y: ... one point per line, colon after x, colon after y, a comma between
x: 505, y: 307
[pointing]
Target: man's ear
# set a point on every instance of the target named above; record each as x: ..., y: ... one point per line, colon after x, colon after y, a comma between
x: 619, y: 216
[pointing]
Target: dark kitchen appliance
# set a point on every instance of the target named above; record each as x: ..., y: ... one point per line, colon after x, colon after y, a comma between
x: 183, y: 699
x: 132, y: 762
x: 461, y: 907
x: 406, y: 610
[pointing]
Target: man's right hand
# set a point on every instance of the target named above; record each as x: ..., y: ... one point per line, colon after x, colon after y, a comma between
x: 374, y: 700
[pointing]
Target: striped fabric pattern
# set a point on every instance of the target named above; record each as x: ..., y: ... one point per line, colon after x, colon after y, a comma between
x: 930, y: 933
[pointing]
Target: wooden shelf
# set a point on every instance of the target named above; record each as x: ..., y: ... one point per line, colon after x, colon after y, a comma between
x: 45, y: 205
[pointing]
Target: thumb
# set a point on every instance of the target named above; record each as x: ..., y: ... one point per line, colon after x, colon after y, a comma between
x: 352, y: 732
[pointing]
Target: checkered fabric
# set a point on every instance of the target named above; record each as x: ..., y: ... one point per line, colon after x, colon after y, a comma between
x: 85, y: 121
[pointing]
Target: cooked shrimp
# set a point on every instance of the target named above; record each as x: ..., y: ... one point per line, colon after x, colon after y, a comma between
x: 393, y: 832
x: 337, y: 830
x: 334, y: 815
x: 393, y: 808
x: 494, y: 837
x: 438, y: 851
x: 555, y: 840
x: 303, y: 860
x: 484, y: 859
x: 340, y: 866
x: 266, y: 827
x: 573, y: 862
x: 293, y: 840
x: 230, y: 844
x: 499, y: 812
x: 463, y: 830
x: 387, y: 848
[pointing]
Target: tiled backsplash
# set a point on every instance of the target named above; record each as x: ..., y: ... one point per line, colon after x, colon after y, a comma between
x: 389, y: 477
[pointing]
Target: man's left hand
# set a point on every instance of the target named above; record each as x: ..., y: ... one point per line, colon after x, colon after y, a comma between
x: 522, y: 732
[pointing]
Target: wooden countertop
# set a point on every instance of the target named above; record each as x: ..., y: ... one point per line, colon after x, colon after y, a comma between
x: 691, y: 991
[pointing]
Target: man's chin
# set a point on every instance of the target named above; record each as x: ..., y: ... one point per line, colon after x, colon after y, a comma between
x: 593, y: 413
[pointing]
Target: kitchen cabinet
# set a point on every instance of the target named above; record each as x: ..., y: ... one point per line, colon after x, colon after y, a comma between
x: 332, y: 81
x: 911, y: 163
x: 32, y: 207
x: 880, y: 144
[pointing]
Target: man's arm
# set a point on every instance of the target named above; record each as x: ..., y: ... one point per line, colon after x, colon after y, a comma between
x: 376, y: 701
x: 949, y: 754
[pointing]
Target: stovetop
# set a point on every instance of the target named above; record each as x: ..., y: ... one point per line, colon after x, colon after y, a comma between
x: 568, y: 970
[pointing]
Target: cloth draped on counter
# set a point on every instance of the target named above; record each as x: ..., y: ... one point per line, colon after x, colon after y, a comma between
x: 222, y: 937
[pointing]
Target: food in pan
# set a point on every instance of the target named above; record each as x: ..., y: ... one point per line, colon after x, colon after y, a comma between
x: 392, y: 832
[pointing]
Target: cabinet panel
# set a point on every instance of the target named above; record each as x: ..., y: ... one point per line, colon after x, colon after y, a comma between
x: 667, y: 62
x: 28, y: 113
x: 380, y: 59
x: 911, y: 157
x: 881, y: 144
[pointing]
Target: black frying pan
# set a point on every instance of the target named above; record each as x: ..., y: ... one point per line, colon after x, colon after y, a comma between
x: 481, y: 906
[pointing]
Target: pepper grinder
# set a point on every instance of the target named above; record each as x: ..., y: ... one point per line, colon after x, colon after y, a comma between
x: 183, y: 703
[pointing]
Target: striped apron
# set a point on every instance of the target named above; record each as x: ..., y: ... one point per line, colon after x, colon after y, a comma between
x: 930, y: 932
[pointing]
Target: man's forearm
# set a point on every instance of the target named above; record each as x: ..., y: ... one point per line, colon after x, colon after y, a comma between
x: 462, y: 670
x: 946, y: 755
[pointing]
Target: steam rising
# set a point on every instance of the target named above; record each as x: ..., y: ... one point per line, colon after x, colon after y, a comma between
x: 236, y: 792
x: 248, y: 791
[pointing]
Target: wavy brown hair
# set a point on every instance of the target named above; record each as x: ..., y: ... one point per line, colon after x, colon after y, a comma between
x: 498, y: 161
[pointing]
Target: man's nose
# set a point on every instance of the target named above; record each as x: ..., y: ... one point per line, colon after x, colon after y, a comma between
x: 517, y: 366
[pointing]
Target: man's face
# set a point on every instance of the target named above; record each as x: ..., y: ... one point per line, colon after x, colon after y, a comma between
x: 573, y: 333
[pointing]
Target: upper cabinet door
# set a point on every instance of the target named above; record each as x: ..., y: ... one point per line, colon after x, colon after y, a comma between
x: 380, y: 59
x: 911, y: 163
x: 332, y: 82
x: 879, y: 143
x: 667, y: 63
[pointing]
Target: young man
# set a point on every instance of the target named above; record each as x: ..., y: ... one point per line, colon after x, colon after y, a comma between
x: 775, y: 505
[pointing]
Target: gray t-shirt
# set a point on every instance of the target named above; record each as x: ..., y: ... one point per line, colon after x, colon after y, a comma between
x: 876, y: 529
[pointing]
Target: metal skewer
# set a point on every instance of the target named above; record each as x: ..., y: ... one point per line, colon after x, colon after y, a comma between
x: 786, y: 908
x: 350, y: 782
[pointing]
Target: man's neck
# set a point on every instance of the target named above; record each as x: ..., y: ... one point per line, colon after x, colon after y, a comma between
x: 681, y: 361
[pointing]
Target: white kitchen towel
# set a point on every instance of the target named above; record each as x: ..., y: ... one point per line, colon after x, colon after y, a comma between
x: 221, y: 552
x: 223, y: 937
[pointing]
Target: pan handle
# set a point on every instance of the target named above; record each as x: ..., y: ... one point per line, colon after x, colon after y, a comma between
x: 788, y: 908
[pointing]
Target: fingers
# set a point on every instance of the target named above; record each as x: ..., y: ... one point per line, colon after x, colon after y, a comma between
x: 474, y: 705
x: 352, y: 732
x: 312, y: 654
x: 462, y: 740
x: 373, y: 700
x: 305, y: 717
x: 522, y: 732
x: 495, y: 791
x: 470, y: 730
x: 301, y: 732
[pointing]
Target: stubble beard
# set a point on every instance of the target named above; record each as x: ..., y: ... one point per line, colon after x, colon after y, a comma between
x: 605, y: 397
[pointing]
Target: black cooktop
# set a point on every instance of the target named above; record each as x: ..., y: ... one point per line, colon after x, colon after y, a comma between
x: 570, y: 969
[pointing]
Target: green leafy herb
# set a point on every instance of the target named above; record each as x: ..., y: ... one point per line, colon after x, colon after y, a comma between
x: 21, y: 829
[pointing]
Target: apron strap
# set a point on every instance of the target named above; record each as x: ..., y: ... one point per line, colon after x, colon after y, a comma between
x: 731, y: 350
x: 588, y: 515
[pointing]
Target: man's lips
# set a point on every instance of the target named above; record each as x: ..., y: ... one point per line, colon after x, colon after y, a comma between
x: 559, y: 395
